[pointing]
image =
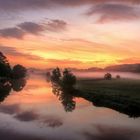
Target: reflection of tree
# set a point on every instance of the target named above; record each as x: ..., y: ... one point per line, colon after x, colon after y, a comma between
x: 63, y: 87
x: 5, y: 88
x: 18, y: 84
x: 67, y: 101
x: 65, y: 96
x: 7, y: 85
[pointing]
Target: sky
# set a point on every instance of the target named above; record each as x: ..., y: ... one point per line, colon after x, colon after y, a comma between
x: 70, y: 33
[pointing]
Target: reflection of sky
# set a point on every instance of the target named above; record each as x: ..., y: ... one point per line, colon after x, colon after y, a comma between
x: 37, y: 112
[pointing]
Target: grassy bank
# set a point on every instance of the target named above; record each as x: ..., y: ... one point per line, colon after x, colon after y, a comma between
x: 122, y: 95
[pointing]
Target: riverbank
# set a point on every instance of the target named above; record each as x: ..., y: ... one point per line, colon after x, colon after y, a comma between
x: 122, y: 95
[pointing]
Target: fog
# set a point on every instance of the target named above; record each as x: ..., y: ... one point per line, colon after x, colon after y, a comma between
x: 128, y: 75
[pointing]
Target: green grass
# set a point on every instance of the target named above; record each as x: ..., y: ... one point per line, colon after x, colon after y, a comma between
x: 116, y: 88
x: 122, y: 95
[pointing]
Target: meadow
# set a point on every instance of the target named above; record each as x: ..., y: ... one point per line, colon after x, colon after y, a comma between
x: 122, y: 95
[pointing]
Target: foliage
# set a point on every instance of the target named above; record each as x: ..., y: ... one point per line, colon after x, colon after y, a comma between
x: 118, y: 76
x: 5, y: 69
x: 19, y: 72
x: 108, y: 76
x: 56, y: 74
x: 65, y: 96
x: 68, y: 78
x: 6, y: 85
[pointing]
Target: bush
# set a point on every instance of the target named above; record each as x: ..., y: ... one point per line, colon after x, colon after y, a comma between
x: 108, y: 76
x: 118, y: 76
x: 19, y: 72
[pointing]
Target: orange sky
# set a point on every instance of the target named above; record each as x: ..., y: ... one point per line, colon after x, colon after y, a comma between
x: 85, y: 35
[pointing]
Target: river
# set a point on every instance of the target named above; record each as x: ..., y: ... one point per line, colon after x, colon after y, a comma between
x: 36, y: 113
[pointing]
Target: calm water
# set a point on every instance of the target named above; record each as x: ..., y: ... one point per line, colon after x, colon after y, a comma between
x: 35, y: 113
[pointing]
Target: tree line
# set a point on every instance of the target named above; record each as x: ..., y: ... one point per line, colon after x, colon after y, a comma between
x: 6, y: 71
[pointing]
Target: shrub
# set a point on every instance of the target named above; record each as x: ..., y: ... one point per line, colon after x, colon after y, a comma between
x: 108, y: 76
x: 19, y: 72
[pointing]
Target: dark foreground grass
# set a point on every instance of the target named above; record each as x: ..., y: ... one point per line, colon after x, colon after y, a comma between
x: 123, y: 88
x: 122, y: 95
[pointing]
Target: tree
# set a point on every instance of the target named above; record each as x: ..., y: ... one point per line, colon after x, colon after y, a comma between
x: 118, y: 76
x: 68, y: 78
x: 5, y: 69
x: 56, y: 74
x: 108, y: 76
x: 19, y: 72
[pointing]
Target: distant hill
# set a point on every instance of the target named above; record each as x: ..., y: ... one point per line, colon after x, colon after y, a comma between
x: 119, y: 68
x: 86, y: 70
x: 124, y: 68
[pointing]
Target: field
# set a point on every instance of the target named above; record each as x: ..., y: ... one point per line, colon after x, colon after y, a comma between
x: 120, y: 94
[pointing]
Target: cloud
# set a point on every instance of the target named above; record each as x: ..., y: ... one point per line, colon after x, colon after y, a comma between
x: 31, y: 27
x: 9, y: 5
x: 113, y: 12
x: 130, y: 60
x: 68, y: 63
x: 12, y: 32
x: 64, y: 62
x: 20, y: 30
x: 56, y: 25
x: 12, y: 51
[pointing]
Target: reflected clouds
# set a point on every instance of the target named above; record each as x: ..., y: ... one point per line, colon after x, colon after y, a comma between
x: 45, y: 120
x: 112, y: 133
x: 27, y: 116
x: 9, y: 109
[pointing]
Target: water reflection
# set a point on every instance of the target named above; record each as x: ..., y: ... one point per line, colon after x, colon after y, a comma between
x: 65, y: 95
x: 36, y: 114
x: 106, y: 132
x: 7, y: 85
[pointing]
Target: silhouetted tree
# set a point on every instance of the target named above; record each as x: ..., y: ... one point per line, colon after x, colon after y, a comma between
x: 108, y: 76
x: 19, y: 72
x: 18, y: 84
x: 68, y: 78
x: 56, y: 74
x: 5, y: 69
x: 118, y: 76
